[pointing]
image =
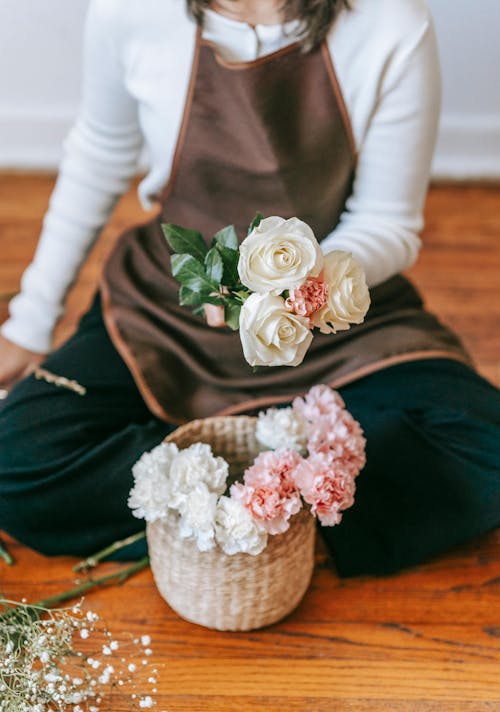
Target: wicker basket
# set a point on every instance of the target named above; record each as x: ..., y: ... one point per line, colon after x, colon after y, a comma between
x: 239, y: 592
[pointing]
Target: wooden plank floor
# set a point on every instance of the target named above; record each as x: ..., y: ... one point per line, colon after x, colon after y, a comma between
x: 427, y: 639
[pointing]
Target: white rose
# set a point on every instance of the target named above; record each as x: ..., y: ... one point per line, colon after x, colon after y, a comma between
x: 279, y: 254
x: 235, y: 529
x: 281, y: 428
x: 271, y: 334
x: 348, y: 298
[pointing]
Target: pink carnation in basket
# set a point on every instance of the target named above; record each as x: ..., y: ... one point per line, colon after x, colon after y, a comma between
x: 309, y: 297
x: 318, y: 401
x: 276, y: 466
x: 339, y: 437
x: 269, y: 491
x: 326, y: 486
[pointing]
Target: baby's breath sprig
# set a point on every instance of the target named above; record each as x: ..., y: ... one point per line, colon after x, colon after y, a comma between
x: 65, y: 659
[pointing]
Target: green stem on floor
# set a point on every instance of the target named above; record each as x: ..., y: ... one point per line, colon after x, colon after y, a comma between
x: 4, y: 554
x: 118, y: 577
x: 92, y: 561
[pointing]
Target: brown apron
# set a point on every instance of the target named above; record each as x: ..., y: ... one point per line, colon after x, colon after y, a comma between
x: 271, y: 135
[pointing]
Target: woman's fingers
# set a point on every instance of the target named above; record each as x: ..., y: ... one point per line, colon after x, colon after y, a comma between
x: 15, y: 363
x: 214, y: 315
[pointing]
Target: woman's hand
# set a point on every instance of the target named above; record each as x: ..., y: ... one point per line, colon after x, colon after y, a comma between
x: 15, y: 363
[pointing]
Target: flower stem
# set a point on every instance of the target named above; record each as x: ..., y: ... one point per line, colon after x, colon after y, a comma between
x: 4, y: 554
x: 117, y: 577
x: 93, y: 560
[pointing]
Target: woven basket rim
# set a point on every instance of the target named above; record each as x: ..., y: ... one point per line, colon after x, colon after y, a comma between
x: 197, y: 422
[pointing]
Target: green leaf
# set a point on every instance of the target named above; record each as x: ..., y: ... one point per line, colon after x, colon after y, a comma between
x: 232, y: 316
x: 227, y: 237
x: 211, y: 299
x: 181, y: 263
x: 182, y: 241
x: 230, y: 259
x: 255, y: 222
x: 214, y: 267
x: 242, y: 294
x: 191, y: 274
x: 195, y: 299
x: 190, y: 298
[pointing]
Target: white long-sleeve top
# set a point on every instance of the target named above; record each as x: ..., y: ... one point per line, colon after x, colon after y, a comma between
x: 137, y: 61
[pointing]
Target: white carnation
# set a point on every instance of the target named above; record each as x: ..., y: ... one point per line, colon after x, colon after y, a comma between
x: 196, y: 464
x: 281, y: 428
x: 235, y: 529
x: 198, y: 516
x: 149, y: 498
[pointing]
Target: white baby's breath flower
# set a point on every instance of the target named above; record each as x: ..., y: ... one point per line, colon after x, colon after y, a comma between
x: 235, y: 529
x: 150, y: 496
x: 51, y: 677
x: 196, y: 464
x: 281, y: 428
x: 198, y: 516
x: 271, y: 334
x: 74, y: 698
x: 279, y: 254
x: 348, y: 298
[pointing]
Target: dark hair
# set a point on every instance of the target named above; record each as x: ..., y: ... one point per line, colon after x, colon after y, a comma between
x: 316, y: 16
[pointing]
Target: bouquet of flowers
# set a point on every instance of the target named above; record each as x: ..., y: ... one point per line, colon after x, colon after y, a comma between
x: 275, y: 287
x: 311, y: 454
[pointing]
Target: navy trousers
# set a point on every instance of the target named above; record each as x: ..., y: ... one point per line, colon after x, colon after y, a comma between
x: 432, y: 478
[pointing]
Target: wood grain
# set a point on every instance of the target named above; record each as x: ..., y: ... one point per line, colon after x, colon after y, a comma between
x: 425, y: 640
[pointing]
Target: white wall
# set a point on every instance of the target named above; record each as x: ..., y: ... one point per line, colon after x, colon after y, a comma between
x: 468, y: 34
x: 40, y: 46
x: 40, y: 49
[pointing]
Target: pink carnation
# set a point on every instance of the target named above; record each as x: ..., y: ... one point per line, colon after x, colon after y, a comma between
x: 319, y: 400
x: 274, y: 468
x: 340, y: 437
x: 326, y: 487
x: 269, y: 491
x: 309, y: 297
